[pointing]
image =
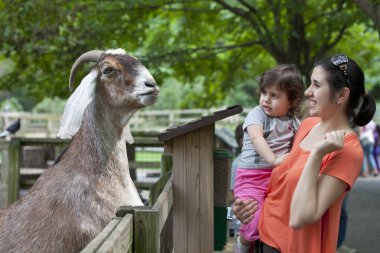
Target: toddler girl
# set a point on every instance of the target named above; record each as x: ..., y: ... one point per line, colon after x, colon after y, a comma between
x: 269, y: 130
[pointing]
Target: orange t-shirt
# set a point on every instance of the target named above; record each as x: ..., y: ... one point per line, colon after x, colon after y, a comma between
x: 321, y: 236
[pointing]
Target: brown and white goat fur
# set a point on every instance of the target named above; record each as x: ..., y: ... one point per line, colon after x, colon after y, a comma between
x: 76, y: 198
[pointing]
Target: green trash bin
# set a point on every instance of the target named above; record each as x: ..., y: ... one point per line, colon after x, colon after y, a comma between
x: 222, y: 170
x: 220, y: 228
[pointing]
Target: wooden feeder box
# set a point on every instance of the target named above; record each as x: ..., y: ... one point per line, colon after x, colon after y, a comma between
x: 192, y: 147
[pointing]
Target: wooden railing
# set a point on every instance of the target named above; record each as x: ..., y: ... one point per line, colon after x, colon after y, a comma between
x: 47, y: 125
x: 12, y: 173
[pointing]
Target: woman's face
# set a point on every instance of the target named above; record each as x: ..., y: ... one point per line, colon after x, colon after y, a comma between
x: 318, y: 93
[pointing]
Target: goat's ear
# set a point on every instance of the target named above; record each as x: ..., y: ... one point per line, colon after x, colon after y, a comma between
x: 76, y: 105
x: 128, y: 135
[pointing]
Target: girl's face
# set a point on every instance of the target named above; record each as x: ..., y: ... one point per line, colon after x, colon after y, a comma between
x: 274, y: 101
x: 318, y: 93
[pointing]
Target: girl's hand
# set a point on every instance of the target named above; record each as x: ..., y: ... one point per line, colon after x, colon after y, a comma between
x: 278, y: 160
x: 245, y: 209
x: 333, y: 141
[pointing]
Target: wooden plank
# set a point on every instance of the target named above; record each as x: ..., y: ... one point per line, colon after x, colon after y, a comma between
x: 179, y: 196
x: 166, y: 163
x: 207, y: 186
x: 192, y: 188
x: 146, y: 237
x: 143, y: 185
x: 168, y: 147
x: 164, y: 203
x: 200, y: 123
x: 14, y: 165
x: 156, y: 189
x: 4, y: 175
x: 134, y: 164
x: 121, y: 238
x: 99, y: 239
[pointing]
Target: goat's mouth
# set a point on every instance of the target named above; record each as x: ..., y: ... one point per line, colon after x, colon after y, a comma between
x: 153, y: 93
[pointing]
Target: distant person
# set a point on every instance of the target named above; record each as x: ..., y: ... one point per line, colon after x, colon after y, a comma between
x: 303, y: 202
x: 376, y: 148
x: 269, y: 129
x: 343, y: 248
x: 367, y: 140
x: 235, y: 224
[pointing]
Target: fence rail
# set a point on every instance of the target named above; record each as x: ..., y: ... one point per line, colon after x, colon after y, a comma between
x: 47, y: 125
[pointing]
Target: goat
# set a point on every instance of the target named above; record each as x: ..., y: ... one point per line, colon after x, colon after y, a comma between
x: 72, y: 201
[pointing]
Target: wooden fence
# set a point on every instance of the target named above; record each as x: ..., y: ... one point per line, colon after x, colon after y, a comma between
x: 13, y: 173
x: 47, y: 125
x: 134, y: 229
x: 142, y: 229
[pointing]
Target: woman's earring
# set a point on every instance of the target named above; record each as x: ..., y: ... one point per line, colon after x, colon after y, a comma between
x: 338, y: 103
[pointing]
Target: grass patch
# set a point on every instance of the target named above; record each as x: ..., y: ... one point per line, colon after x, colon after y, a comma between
x: 146, y: 156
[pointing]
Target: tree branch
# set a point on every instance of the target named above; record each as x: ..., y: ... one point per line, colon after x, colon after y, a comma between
x: 372, y: 9
x: 188, y: 52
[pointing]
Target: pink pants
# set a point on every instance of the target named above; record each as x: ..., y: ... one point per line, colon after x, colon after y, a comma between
x: 252, y: 184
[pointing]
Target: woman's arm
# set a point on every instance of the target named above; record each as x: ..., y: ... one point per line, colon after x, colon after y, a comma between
x: 314, y: 194
x: 256, y: 135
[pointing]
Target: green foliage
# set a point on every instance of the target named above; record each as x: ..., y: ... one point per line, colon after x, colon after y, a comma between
x: 214, y: 50
x: 10, y: 105
x: 50, y: 105
x: 365, y: 54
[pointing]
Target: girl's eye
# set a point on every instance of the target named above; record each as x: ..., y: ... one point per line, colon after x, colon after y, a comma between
x: 274, y: 96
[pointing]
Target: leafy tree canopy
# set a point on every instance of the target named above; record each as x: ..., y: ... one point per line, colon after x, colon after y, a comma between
x: 213, y: 50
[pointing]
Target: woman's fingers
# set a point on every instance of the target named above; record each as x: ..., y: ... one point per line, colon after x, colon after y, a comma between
x: 244, y: 209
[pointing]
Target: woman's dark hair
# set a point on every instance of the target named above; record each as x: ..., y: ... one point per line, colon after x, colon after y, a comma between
x: 361, y: 106
x: 288, y: 78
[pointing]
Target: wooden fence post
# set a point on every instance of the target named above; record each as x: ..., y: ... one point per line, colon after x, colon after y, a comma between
x: 14, y: 165
x: 146, y: 234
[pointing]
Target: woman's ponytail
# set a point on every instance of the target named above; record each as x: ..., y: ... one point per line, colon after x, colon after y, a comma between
x: 366, y: 111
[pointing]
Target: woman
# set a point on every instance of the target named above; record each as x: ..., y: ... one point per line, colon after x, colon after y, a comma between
x: 302, y: 208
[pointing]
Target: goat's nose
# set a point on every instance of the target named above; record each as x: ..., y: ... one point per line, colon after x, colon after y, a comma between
x: 149, y: 84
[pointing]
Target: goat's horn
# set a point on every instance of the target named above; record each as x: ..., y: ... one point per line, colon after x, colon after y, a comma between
x: 90, y: 56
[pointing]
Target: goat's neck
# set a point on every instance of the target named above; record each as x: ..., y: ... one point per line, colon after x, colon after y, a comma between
x: 101, y: 137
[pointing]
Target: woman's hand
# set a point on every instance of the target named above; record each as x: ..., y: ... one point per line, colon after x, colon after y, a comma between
x: 245, y: 209
x: 333, y: 141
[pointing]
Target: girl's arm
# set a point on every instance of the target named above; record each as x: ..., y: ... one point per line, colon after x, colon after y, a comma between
x: 256, y: 135
x: 314, y: 194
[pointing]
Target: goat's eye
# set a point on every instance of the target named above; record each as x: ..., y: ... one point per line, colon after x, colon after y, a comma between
x: 107, y: 71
